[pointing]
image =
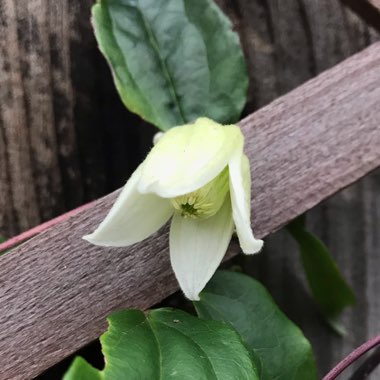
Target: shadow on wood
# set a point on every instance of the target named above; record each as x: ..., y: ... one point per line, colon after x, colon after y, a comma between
x: 369, y: 10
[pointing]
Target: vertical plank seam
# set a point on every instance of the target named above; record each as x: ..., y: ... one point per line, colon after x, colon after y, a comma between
x: 309, y: 37
x: 272, y: 37
x: 13, y: 5
x: 27, y: 112
x: 11, y: 210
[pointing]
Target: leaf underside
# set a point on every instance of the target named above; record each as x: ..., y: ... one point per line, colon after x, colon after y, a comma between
x: 173, y: 61
x: 329, y: 288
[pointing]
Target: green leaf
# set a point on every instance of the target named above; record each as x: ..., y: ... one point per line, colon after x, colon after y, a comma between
x: 81, y: 370
x: 228, y: 73
x: 165, y: 344
x: 173, y: 61
x: 284, y: 352
x: 328, y: 286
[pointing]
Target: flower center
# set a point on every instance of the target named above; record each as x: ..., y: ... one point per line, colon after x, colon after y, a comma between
x: 206, y: 201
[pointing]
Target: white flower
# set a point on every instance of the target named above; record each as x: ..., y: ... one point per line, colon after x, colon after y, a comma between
x: 199, y: 175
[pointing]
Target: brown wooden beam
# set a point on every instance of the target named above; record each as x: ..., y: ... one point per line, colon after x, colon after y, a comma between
x: 56, y: 289
x: 369, y: 10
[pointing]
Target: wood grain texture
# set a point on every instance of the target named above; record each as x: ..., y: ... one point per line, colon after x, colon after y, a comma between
x: 100, y: 142
x: 369, y: 10
x: 61, y: 121
x: 13, y: 113
x: 56, y: 289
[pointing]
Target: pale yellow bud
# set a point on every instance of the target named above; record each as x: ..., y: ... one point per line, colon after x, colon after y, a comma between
x: 198, y: 175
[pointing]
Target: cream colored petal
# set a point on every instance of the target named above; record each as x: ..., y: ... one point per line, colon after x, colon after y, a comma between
x: 132, y: 218
x: 197, y: 248
x: 240, y: 190
x: 187, y: 157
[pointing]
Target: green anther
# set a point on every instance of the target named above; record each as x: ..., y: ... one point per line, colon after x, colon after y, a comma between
x: 206, y: 201
x: 188, y: 209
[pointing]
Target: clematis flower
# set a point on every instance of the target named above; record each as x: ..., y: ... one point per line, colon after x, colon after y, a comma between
x: 198, y: 175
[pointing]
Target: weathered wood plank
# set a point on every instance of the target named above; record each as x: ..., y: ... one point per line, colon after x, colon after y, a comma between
x: 99, y: 143
x: 13, y: 113
x: 51, y: 114
x: 57, y: 289
x: 64, y: 129
x: 369, y: 10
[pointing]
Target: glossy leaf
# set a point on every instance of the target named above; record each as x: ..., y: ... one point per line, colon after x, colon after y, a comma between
x: 173, y: 61
x: 226, y: 63
x: 328, y: 286
x: 81, y: 370
x: 283, y: 351
x: 165, y: 344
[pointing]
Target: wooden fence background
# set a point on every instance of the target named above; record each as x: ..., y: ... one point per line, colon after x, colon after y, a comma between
x: 66, y: 139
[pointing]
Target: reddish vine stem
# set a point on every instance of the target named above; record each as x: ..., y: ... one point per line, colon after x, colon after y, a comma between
x: 352, y: 357
x: 369, y: 365
x: 16, y: 240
